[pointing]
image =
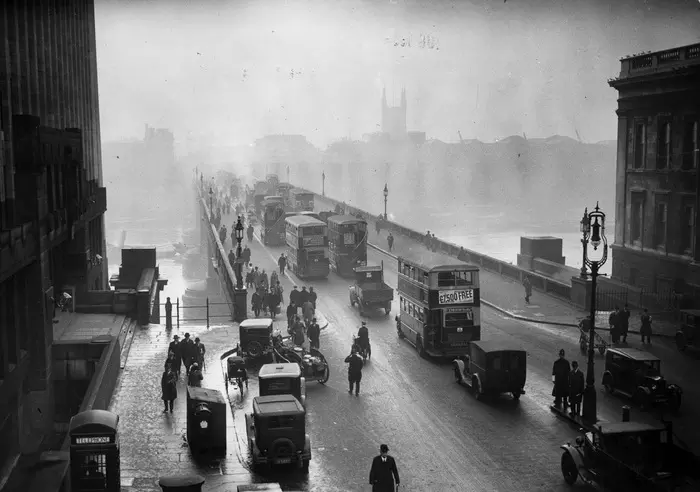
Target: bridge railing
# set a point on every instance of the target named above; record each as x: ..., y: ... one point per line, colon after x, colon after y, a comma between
x: 227, y: 278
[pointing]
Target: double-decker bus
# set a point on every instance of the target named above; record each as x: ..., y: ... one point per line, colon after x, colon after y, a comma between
x: 272, y: 228
x: 347, y: 243
x: 301, y: 200
x: 272, y: 181
x: 283, y: 191
x: 307, y: 246
x: 439, y: 303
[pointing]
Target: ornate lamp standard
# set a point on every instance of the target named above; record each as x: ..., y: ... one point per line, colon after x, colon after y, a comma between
x: 240, y: 293
x: 596, y: 237
x: 585, y: 225
x: 211, y: 202
x: 323, y: 183
x: 386, y: 195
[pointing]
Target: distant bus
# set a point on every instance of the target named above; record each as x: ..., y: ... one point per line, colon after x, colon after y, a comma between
x: 272, y: 228
x: 439, y: 303
x: 273, y: 181
x: 301, y: 200
x: 283, y: 191
x: 310, y: 214
x: 307, y: 246
x: 347, y: 243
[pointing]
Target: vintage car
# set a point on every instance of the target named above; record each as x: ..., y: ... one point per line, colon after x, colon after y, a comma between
x: 277, y: 432
x: 637, y: 374
x: 369, y: 290
x: 629, y: 456
x: 282, y: 379
x: 255, y: 338
x: 313, y: 364
x: 492, y: 367
x: 688, y: 328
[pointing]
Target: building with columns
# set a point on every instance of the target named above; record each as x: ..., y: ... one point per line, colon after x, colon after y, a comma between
x: 52, y: 200
x: 657, y: 239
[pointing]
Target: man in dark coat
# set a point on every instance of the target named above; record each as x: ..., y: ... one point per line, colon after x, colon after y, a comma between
x: 246, y: 254
x: 314, y: 333
x: 295, y: 297
x: 624, y: 321
x: 232, y: 258
x: 614, y: 321
x: 282, y: 263
x: 576, y: 387
x: 291, y: 313
x: 383, y: 472
x: 560, y: 377
x: 176, y: 350
x: 354, y: 370
x: 189, y: 352
x: 312, y: 296
x: 168, y: 387
x: 645, y: 329
x: 303, y: 295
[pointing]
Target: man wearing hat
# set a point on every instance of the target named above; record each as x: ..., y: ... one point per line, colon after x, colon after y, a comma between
x: 295, y: 297
x: 314, y: 334
x: 189, y: 352
x: 354, y: 370
x: 383, y: 472
x: 176, y: 350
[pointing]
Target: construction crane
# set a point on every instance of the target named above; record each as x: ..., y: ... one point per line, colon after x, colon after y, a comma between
x: 461, y: 140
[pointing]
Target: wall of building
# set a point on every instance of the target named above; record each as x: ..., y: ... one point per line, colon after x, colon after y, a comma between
x: 48, y: 70
x: 656, y: 237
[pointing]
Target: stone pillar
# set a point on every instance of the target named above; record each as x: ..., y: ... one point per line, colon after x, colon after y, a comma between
x: 581, y: 292
x: 625, y: 142
x: 38, y: 402
x: 240, y: 302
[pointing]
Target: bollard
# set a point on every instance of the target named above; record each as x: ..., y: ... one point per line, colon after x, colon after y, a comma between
x: 626, y: 413
x: 183, y: 483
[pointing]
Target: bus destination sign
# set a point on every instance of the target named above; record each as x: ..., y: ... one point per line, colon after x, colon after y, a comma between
x: 93, y: 440
x: 463, y: 296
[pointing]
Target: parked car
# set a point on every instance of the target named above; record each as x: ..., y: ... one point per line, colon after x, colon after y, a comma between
x: 276, y: 431
x: 255, y: 338
x: 282, y: 379
x: 688, y: 328
x: 492, y: 367
x: 637, y: 374
x: 630, y: 456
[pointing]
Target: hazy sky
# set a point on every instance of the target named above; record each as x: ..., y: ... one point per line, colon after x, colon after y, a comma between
x: 220, y: 72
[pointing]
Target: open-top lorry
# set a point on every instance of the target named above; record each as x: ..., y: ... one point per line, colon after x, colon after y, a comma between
x: 369, y: 290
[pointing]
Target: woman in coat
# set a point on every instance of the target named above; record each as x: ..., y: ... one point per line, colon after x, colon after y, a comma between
x: 168, y: 387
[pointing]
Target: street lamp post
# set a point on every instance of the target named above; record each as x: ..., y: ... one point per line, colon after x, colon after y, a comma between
x: 585, y: 227
x: 386, y: 195
x: 211, y: 202
x: 240, y: 293
x: 323, y: 183
x: 596, y: 237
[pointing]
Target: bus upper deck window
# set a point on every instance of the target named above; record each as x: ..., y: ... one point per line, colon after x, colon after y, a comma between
x: 445, y: 279
x: 464, y: 278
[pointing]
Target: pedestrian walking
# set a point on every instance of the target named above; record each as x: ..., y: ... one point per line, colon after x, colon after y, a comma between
x: 231, y: 258
x: 195, y: 378
x: 291, y: 313
x: 645, y: 329
x: 256, y: 302
x: 168, y: 388
x: 308, y: 311
x: 201, y: 350
x: 312, y: 296
x: 168, y: 314
x: 624, y: 320
x: 433, y: 243
x: 613, y: 321
x: 188, y: 352
x: 528, y: 288
x: 176, y: 349
x: 303, y: 296
x: 576, y: 387
x: 354, y: 371
x: 390, y: 241
x: 560, y: 378
x: 246, y: 254
x: 384, y: 473
x: 298, y: 331
x: 251, y: 231
x: 294, y: 297
x: 249, y: 282
x: 314, y: 334
x: 282, y: 263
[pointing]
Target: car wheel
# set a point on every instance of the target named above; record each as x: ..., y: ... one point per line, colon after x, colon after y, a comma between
x: 326, y: 375
x: 608, y: 384
x: 458, y: 373
x: 569, y: 469
x: 476, y: 385
x: 255, y: 349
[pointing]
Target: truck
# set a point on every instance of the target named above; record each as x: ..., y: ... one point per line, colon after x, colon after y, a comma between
x: 276, y: 430
x: 369, y: 290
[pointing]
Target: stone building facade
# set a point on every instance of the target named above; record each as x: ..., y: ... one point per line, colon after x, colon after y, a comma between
x: 52, y: 200
x: 657, y: 239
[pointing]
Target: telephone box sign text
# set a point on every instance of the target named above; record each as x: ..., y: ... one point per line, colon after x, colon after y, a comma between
x: 93, y: 440
x: 465, y: 296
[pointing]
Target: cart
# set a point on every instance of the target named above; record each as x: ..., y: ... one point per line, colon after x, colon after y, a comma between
x: 236, y: 373
x: 600, y: 344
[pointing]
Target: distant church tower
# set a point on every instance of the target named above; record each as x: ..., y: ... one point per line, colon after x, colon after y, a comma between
x: 394, y: 118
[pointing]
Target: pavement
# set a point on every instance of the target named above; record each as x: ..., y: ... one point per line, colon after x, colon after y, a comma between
x: 508, y: 296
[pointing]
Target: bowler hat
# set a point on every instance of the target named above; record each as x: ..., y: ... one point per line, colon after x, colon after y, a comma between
x: 384, y: 448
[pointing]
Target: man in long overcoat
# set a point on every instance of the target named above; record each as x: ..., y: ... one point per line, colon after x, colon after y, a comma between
x: 176, y: 349
x: 560, y: 377
x: 577, y: 384
x: 383, y: 472
x: 624, y: 322
x: 168, y: 387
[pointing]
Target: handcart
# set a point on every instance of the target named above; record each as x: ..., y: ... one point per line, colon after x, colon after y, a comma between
x: 236, y: 373
x: 600, y: 344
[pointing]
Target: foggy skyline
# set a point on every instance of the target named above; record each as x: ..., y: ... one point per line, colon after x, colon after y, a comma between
x: 220, y: 73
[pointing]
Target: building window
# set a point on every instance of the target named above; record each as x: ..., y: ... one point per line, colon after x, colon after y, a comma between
x: 663, y: 157
x: 637, y: 217
x: 660, y: 222
x: 640, y: 144
x: 691, y: 154
x: 687, y: 228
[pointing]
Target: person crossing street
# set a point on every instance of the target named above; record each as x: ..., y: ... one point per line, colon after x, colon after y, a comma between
x: 354, y: 371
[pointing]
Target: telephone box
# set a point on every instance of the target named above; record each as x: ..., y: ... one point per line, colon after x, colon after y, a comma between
x: 206, y: 421
x: 94, y: 451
